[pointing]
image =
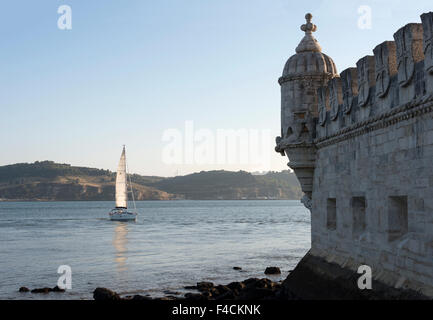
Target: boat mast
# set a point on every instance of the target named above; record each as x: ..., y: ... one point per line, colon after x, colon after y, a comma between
x: 130, y: 185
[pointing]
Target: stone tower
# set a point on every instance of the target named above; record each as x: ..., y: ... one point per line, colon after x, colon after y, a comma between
x: 303, y: 74
x: 361, y: 145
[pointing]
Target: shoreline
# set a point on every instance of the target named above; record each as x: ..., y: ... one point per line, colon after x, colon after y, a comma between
x: 312, y: 279
x: 153, y: 200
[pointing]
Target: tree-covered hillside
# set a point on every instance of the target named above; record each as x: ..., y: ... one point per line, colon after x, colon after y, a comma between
x: 47, y: 180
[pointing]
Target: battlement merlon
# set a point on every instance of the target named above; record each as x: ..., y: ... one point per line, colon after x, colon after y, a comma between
x: 399, y: 74
x: 319, y: 106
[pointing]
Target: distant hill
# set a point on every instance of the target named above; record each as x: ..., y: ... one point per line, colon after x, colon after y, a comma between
x: 232, y: 185
x: 50, y: 181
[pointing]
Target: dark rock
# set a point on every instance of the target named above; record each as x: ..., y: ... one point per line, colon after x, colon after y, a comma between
x: 208, y: 294
x: 204, y: 286
x: 171, y: 292
x: 264, y: 283
x: 218, y: 290
x: 237, y: 268
x: 236, y: 286
x: 225, y: 296
x: 105, y: 294
x: 57, y: 289
x: 140, y: 298
x: 24, y: 289
x: 195, y: 297
x: 250, y: 282
x: 190, y: 287
x: 314, y: 278
x: 41, y: 290
x: 223, y: 289
x: 272, y: 270
x: 256, y: 293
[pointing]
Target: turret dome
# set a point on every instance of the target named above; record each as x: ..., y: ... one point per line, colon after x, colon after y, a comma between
x: 309, y: 58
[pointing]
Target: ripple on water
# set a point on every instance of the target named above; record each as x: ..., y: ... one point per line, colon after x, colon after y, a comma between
x: 173, y: 244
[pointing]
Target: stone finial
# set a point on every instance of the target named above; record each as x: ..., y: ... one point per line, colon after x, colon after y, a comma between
x: 308, y: 27
x: 308, y: 43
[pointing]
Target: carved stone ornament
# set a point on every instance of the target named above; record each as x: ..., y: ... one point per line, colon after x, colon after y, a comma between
x: 365, y: 74
x: 349, y: 82
x: 335, y: 97
x: 385, y: 56
x: 407, y: 39
x: 306, y: 201
x: 427, y: 23
x: 322, y: 96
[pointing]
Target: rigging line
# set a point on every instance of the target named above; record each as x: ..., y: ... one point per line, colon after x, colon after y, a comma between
x: 130, y: 185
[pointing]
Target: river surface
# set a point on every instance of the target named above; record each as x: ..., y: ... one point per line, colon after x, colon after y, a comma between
x: 173, y: 244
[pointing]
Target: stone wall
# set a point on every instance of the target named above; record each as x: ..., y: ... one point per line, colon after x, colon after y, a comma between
x: 372, y: 199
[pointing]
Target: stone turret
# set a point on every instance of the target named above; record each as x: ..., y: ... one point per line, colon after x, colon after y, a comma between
x: 303, y: 74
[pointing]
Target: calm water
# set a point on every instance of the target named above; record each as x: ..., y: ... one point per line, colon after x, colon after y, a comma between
x: 172, y: 244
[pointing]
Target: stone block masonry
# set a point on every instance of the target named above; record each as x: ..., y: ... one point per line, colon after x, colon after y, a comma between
x: 361, y: 144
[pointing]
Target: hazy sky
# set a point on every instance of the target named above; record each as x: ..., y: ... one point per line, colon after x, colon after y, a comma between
x: 131, y: 69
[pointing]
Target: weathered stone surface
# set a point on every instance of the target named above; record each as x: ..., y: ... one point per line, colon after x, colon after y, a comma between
x: 349, y: 79
x: 314, y: 278
x: 427, y: 24
x: 335, y: 97
x: 366, y: 79
x: 323, y: 103
x: 409, y: 40
x: 386, y: 66
x: 386, y: 69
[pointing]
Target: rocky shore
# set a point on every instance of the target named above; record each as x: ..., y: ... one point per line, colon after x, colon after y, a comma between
x: 250, y: 289
x: 313, y: 279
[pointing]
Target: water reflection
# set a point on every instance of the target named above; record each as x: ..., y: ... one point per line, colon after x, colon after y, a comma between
x: 119, y: 242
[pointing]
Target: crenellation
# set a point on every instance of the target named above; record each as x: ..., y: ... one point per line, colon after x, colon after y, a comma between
x: 324, y: 107
x: 366, y: 84
x: 427, y: 23
x: 335, y: 97
x: 386, y: 68
x: 336, y: 121
x: 349, y: 80
x: 420, y: 79
x: 409, y: 40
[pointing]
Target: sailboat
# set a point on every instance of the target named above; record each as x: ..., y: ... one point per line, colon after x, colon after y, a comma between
x: 121, y: 213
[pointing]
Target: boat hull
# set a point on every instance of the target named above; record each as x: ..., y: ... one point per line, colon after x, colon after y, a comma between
x: 122, y: 215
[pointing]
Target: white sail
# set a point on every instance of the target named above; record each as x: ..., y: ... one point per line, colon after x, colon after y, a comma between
x: 121, y: 191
